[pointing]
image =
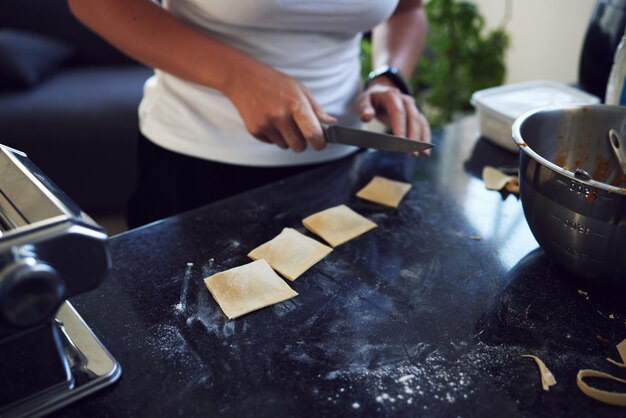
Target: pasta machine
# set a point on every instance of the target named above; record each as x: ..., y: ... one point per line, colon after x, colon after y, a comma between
x: 49, y: 251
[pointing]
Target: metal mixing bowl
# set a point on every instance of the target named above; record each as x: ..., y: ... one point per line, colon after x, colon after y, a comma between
x: 572, y: 189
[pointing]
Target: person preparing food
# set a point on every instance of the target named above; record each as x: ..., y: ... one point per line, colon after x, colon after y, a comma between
x: 241, y: 88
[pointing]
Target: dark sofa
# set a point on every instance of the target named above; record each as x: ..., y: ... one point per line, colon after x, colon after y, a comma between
x: 69, y: 100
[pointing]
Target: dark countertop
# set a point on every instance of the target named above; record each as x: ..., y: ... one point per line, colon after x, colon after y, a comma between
x: 415, y: 318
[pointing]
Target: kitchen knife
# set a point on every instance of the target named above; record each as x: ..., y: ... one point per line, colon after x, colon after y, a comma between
x: 368, y: 139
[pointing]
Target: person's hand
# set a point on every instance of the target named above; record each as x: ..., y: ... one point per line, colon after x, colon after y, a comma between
x: 277, y: 108
x: 384, y: 101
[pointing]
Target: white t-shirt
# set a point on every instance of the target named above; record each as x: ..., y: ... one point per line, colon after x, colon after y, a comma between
x: 314, y: 41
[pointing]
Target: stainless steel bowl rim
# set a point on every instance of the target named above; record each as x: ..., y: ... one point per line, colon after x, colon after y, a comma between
x: 524, y: 147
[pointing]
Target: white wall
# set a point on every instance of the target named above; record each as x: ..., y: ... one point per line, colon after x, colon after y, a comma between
x: 546, y: 36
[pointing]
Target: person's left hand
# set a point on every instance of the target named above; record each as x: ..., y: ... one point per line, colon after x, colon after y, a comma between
x: 384, y: 101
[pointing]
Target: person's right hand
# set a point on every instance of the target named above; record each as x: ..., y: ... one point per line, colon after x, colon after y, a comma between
x: 277, y: 108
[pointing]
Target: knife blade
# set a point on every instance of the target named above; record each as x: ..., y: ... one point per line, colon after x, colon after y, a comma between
x: 367, y: 139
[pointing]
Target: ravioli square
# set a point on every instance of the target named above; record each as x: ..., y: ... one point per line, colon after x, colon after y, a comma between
x: 291, y: 253
x: 247, y: 288
x: 338, y: 224
x: 384, y: 191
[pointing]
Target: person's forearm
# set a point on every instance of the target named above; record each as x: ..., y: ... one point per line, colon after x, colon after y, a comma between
x: 146, y: 32
x: 399, y: 40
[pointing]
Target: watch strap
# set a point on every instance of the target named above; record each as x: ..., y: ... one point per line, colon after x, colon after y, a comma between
x: 393, y: 74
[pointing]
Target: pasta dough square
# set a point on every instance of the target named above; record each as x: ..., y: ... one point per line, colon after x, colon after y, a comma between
x: 247, y: 288
x: 338, y: 224
x: 384, y: 191
x: 291, y: 253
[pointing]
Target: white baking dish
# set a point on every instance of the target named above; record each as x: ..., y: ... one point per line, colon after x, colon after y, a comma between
x: 498, y: 107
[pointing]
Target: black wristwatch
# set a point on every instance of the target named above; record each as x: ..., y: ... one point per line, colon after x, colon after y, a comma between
x: 393, y: 74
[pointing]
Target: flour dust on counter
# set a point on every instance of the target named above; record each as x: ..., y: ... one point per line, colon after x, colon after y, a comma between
x: 436, y: 379
x: 203, y: 314
x: 181, y: 306
x: 393, y: 376
x: 195, y: 305
x: 169, y: 341
x: 168, y: 337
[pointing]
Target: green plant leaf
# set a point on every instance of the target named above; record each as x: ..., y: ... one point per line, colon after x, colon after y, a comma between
x: 459, y: 58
